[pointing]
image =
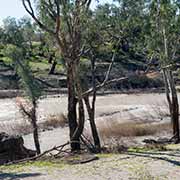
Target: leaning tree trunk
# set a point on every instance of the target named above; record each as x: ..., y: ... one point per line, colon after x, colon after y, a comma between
x: 81, y: 119
x: 94, y: 131
x: 167, y: 90
x: 91, y: 107
x: 72, y: 103
x: 35, y: 129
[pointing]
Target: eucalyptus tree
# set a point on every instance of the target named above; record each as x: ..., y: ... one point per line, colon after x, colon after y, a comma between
x: 129, y: 18
x: 163, y: 44
x: 64, y: 21
x: 121, y: 27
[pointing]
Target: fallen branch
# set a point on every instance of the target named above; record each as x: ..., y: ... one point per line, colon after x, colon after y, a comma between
x: 55, y: 148
x: 84, y: 161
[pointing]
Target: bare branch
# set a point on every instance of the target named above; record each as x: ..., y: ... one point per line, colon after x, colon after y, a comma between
x: 104, y: 84
x: 30, y: 11
x: 109, y: 69
x: 40, y: 155
x: 25, y: 112
x: 88, y: 3
x: 58, y: 17
x: 50, y: 10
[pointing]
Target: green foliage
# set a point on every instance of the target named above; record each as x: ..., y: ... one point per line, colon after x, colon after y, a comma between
x: 12, y: 33
x: 24, y: 71
x: 163, y: 23
x: 132, y: 28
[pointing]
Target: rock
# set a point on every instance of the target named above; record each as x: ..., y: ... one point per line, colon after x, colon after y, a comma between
x: 150, y: 141
x: 12, y: 148
x: 158, y: 141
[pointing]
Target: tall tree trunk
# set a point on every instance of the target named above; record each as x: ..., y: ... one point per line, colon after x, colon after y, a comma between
x: 72, y: 102
x: 167, y: 90
x: 35, y: 129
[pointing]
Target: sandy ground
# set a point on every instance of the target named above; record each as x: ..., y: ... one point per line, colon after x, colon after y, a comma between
x: 118, y: 106
x: 115, y: 107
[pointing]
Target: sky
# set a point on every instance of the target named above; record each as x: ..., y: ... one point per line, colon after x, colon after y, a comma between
x: 11, y: 8
x: 14, y: 8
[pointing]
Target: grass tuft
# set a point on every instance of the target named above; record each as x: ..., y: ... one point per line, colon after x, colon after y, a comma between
x: 130, y: 129
x: 24, y: 127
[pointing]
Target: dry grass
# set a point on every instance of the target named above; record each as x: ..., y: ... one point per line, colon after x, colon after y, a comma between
x: 130, y: 129
x: 160, y: 111
x: 24, y: 127
x: 56, y: 120
x: 118, y: 137
x: 19, y: 128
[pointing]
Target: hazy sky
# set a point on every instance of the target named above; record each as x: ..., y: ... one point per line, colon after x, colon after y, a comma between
x: 15, y: 9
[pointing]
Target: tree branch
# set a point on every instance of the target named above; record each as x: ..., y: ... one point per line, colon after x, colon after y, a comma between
x: 30, y: 11
x: 110, y: 68
x: 104, y: 84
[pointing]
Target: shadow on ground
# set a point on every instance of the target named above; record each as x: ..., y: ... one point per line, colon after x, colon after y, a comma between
x: 158, y: 156
x: 15, y: 176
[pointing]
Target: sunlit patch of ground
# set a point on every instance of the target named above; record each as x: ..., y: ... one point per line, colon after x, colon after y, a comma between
x: 141, y: 165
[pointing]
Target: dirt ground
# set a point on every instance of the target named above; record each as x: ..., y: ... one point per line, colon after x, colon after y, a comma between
x: 143, y: 165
